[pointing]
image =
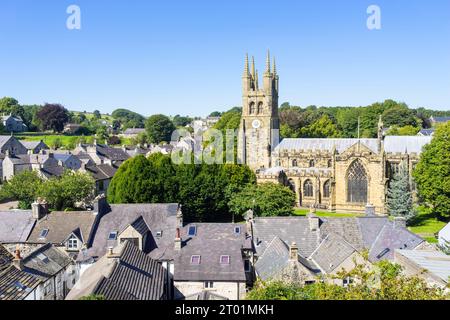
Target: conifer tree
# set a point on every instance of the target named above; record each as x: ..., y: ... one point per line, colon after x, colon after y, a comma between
x: 399, y: 198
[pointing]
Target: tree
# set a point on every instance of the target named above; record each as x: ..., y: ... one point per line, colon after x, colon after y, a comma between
x: 129, y: 119
x: 180, y: 121
x: 23, y: 187
x: 383, y: 281
x: 322, y: 128
x: 97, y: 114
x: 53, y: 117
x: 215, y: 114
x: 403, y: 131
x: 266, y: 199
x: 68, y: 190
x: 399, y: 198
x: 399, y: 115
x: 159, y: 128
x: 432, y: 173
x: 11, y: 106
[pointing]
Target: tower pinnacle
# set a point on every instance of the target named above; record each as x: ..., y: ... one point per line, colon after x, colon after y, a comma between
x: 268, y: 62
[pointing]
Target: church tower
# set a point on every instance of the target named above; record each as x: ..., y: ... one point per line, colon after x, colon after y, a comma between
x: 259, y: 129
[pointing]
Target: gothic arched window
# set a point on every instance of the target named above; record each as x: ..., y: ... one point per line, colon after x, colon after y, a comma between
x: 260, y: 108
x: 312, y: 163
x: 308, y: 189
x: 294, y: 163
x: 357, y: 183
x: 330, y: 163
x: 326, y: 189
x: 252, y: 108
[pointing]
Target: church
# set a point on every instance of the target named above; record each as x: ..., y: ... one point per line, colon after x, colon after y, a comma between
x: 339, y: 175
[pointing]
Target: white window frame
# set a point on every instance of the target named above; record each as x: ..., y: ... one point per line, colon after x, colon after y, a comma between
x: 208, y: 285
x: 71, y: 241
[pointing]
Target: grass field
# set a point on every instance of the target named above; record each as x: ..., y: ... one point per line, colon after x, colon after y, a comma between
x: 426, y: 225
x: 326, y: 214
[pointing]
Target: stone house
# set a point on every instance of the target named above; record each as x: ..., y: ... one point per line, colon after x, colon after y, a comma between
x: 102, y: 174
x: 13, y: 124
x: 44, y: 274
x: 123, y: 273
x: 68, y: 161
x: 213, y: 258
x: 43, y: 162
x: 35, y: 147
x: 102, y: 154
x: 324, y: 246
x: 132, y: 132
x: 9, y: 145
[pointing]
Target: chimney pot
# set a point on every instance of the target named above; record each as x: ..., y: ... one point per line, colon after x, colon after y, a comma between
x: 110, y: 252
x: 178, y: 240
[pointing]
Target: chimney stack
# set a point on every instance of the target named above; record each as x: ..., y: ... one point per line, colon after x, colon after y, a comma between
x: 313, y: 222
x: 39, y: 209
x: 18, y: 262
x: 293, y: 252
x: 399, y: 223
x: 178, y: 240
x: 180, y: 217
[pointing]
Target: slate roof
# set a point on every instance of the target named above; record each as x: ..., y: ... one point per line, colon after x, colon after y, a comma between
x: 441, y: 119
x: 324, y: 144
x: 434, y: 262
x: 16, y: 284
x: 212, y: 240
x: 46, y: 262
x: 392, y: 144
x: 289, y: 229
x: 5, y: 258
x: 4, y: 140
x: 158, y: 217
x: 129, y: 275
x: 114, y: 154
x: 405, y: 144
x: 54, y: 171
x: 31, y: 145
x: 16, y: 225
x: 140, y: 226
x: 332, y: 252
x: 62, y: 224
x: 102, y: 171
x: 130, y: 131
x: 427, y: 132
x: 336, y: 240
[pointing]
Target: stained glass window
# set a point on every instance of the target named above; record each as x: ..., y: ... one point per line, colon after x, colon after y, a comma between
x: 357, y: 183
x: 326, y: 189
x: 308, y: 189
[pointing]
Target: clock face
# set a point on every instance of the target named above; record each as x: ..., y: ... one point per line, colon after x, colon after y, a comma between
x: 256, y: 124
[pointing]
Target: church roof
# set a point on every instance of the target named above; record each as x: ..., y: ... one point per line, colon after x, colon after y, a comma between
x: 392, y: 144
x: 324, y: 144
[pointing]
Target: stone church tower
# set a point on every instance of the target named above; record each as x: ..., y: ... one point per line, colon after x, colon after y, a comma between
x: 259, y: 129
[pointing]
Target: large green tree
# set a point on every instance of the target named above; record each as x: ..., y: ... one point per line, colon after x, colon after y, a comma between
x: 10, y: 105
x: 66, y: 191
x: 23, y: 187
x: 432, y: 173
x: 159, y: 128
x: 267, y: 199
x: 129, y: 119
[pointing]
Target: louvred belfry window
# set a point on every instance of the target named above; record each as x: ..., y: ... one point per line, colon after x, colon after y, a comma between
x: 357, y: 183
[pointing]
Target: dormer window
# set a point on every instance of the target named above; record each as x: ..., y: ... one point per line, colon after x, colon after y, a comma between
x: 196, y: 259
x: 43, y: 234
x: 112, y: 235
x: 224, y: 260
x: 72, y: 243
x: 192, y: 231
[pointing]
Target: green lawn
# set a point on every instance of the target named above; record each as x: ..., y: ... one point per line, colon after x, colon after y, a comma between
x: 326, y: 214
x: 426, y: 225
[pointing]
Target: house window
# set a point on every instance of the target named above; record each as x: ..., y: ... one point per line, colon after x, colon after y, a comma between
x: 312, y: 163
x: 112, y: 235
x: 308, y: 189
x: 347, y: 281
x: 208, y: 285
x: 43, y: 234
x: 247, y: 266
x: 326, y: 189
x: 357, y: 183
x: 196, y: 259
x: 224, y: 259
x: 72, y: 243
x: 47, y: 288
x: 192, y: 231
x: 294, y: 163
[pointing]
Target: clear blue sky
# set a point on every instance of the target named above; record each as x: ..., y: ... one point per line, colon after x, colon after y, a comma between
x: 186, y: 57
